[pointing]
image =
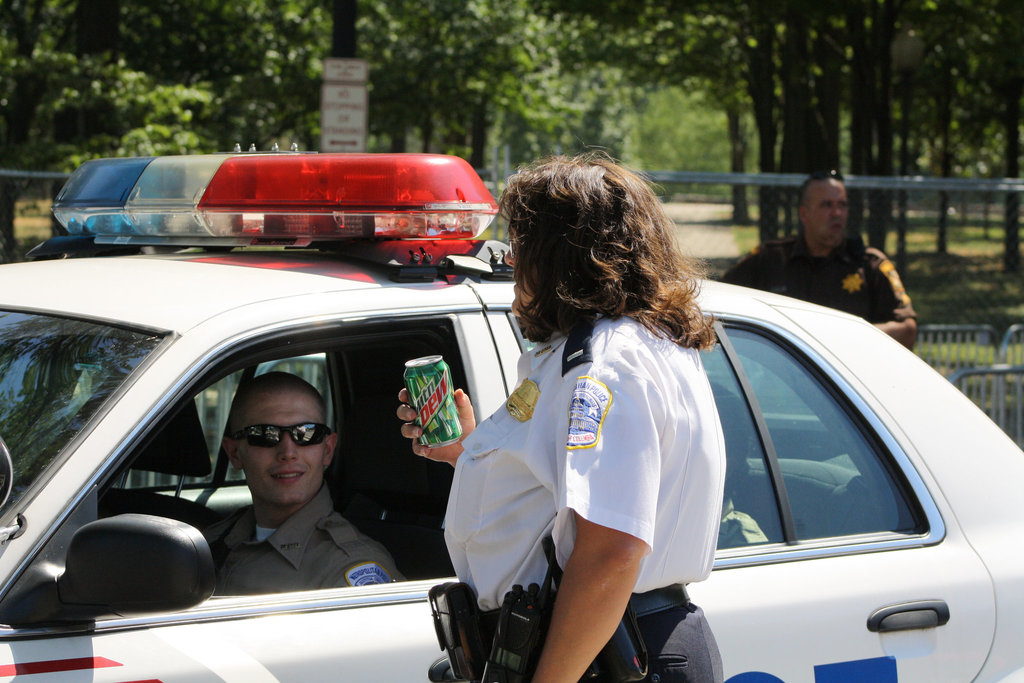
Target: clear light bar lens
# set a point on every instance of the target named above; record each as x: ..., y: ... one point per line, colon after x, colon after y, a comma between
x: 252, y: 198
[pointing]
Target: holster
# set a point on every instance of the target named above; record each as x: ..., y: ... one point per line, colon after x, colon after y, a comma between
x: 624, y: 656
x: 457, y: 623
x: 521, y: 626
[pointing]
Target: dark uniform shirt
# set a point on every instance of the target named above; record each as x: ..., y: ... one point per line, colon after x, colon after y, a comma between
x: 853, y: 278
x: 315, y: 548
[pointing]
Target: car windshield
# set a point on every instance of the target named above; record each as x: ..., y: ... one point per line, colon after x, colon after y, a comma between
x: 55, y: 373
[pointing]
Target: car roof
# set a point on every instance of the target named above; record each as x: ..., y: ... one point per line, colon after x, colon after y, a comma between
x: 177, y: 291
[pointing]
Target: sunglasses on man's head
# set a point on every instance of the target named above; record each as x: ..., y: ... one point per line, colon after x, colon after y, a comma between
x: 823, y: 175
x: 265, y: 436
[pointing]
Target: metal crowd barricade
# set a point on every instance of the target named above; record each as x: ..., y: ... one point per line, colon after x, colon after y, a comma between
x: 1011, y: 349
x: 949, y: 348
x: 999, y: 391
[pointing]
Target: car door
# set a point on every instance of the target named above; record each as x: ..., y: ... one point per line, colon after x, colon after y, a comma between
x: 382, y: 632
x: 833, y: 562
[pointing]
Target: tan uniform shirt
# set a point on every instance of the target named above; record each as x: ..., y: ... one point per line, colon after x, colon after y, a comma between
x: 315, y: 548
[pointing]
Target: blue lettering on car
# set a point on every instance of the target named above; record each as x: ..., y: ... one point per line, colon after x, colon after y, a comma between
x: 877, y: 670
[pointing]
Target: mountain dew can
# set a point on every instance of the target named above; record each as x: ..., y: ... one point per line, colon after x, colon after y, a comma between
x: 429, y: 382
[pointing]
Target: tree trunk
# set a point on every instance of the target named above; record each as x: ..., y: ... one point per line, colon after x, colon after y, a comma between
x: 1011, y: 124
x: 8, y: 199
x: 862, y: 106
x: 823, y: 131
x: 738, y: 147
x: 880, y: 201
x: 796, y: 96
x: 97, y: 32
x: 761, y: 85
x: 398, y: 141
x: 945, y: 155
x: 478, y: 136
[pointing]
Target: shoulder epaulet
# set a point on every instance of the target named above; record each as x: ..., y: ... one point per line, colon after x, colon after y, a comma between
x: 875, y: 256
x: 577, y: 347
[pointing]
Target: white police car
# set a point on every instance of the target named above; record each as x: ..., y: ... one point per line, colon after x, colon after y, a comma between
x: 872, y: 526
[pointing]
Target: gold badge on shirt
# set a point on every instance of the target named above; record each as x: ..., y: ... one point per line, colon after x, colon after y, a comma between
x: 521, y: 403
x: 853, y: 282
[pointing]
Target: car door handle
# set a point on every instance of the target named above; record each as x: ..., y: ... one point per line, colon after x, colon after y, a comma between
x: 907, y: 616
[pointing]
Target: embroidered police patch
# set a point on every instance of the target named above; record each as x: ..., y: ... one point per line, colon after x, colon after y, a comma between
x: 587, y: 408
x: 366, y: 574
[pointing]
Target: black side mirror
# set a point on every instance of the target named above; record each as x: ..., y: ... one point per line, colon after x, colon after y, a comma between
x: 126, y: 565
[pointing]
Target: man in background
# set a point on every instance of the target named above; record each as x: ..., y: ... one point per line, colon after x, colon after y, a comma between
x: 824, y: 265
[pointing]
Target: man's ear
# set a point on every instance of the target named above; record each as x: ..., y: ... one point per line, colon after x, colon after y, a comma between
x: 231, y: 448
x: 330, y: 444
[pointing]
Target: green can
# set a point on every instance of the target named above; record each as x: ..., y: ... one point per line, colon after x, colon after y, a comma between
x: 429, y: 382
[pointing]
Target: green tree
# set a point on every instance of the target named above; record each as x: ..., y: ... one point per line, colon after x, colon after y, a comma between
x: 443, y: 72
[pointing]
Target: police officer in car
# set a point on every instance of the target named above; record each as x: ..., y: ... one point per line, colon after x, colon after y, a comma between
x: 290, y: 538
x: 824, y: 265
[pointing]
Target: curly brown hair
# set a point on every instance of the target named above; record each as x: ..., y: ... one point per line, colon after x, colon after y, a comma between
x: 590, y: 238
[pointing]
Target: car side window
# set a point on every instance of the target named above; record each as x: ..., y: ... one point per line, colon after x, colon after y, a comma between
x: 834, y: 476
x: 377, y: 484
x: 750, y: 514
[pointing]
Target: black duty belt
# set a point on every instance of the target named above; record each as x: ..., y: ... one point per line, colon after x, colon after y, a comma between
x: 659, y: 600
x: 651, y: 602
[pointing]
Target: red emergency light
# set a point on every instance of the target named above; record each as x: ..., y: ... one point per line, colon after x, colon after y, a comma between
x: 274, y: 198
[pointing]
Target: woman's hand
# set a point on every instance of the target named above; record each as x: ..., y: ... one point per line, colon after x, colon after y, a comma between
x: 410, y: 430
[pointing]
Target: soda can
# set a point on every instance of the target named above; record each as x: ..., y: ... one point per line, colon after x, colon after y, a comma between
x: 429, y: 382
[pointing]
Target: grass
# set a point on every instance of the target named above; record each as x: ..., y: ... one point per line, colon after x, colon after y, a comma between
x: 966, y: 285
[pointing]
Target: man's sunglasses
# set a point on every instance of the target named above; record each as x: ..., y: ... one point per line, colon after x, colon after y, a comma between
x: 265, y: 436
x: 823, y: 175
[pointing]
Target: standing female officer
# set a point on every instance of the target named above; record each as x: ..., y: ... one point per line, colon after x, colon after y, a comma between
x: 611, y: 443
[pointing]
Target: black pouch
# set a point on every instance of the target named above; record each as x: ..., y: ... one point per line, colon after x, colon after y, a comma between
x: 457, y: 623
x: 624, y: 657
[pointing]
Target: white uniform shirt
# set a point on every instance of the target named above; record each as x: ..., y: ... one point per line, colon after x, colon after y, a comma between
x: 630, y: 441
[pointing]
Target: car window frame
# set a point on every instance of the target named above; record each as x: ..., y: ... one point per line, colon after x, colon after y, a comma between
x: 892, y: 456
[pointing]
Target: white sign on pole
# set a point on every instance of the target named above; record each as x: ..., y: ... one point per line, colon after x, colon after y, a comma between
x: 343, y: 106
x: 345, y: 70
x: 343, y: 118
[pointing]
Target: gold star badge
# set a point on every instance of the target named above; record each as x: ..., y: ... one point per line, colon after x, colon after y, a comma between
x: 853, y: 282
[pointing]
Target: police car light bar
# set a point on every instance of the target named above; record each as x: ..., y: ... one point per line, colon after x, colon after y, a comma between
x: 285, y: 198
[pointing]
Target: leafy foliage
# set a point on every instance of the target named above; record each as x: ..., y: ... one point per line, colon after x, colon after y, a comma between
x: 456, y: 76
